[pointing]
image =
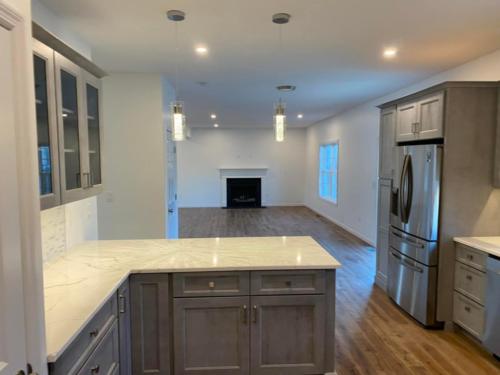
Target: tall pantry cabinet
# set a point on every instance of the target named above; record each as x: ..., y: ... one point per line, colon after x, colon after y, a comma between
x: 69, y: 128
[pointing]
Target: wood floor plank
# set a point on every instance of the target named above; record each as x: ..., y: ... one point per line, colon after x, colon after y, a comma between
x: 373, y: 336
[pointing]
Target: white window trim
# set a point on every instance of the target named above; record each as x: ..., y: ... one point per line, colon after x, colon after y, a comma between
x: 325, y: 143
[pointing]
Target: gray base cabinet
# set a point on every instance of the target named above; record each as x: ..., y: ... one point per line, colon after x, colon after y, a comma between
x: 287, y: 335
x: 150, y: 324
x: 211, y: 335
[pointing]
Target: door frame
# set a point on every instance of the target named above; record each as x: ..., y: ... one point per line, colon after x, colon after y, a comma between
x: 18, y: 22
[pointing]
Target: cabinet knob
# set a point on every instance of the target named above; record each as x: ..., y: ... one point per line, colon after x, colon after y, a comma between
x: 288, y: 284
x: 211, y: 284
x: 467, y: 308
x: 468, y: 277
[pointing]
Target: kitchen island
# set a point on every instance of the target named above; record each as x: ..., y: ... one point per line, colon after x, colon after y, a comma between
x: 212, y: 306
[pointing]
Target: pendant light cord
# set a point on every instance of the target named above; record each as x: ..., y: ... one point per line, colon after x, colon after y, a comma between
x: 176, y: 68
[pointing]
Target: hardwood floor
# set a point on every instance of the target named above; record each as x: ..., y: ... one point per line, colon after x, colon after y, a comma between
x: 373, y: 336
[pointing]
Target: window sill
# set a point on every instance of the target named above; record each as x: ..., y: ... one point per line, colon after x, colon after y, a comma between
x: 335, y: 203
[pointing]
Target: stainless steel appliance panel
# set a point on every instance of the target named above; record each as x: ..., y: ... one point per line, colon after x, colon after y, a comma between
x: 415, y: 196
x: 425, y: 252
x: 412, y: 286
x: 491, y: 336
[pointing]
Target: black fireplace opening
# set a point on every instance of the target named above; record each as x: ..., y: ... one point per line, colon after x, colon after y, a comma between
x: 243, y: 192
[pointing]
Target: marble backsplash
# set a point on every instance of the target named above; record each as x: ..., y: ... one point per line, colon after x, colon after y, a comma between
x: 68, y: 225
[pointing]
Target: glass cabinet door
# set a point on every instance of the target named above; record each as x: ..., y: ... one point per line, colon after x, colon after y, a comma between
x: 93, y: 129
x: 48, y: 168
x: 71, y: 135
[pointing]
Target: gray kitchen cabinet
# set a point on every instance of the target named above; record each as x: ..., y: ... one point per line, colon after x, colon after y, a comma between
x: 421, y: 119
x: 69, y: 128
x: 287, y: 335
x: 124, y: 328
x: 211, y: 335
x: 150, y: 324
x: 46, y: 124
x: 387, y: 142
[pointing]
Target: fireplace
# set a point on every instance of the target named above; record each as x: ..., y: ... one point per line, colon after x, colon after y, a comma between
x: 243, y: 192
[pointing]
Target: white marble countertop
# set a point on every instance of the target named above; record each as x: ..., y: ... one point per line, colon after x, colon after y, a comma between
x: 78, y: 283
x: 490, y: 245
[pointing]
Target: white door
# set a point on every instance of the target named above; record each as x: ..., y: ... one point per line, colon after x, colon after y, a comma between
x: 12, y: 325
x: 173, y: 212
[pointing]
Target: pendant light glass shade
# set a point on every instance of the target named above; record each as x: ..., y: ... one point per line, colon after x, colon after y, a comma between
x: 178, y: 121
x: 279, y: 122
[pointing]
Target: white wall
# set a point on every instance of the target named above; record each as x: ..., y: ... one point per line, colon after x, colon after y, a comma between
x: 199, y: 183
x: 68, y: 225
x: 357, y: 131
x: 133, y: 203
x: 50, y: 21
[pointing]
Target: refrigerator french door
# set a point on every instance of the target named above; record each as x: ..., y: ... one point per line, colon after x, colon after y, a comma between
x: 413, y: 257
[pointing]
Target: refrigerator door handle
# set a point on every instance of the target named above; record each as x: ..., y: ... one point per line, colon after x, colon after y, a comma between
x: 409, y: 176
x: 402, y: 191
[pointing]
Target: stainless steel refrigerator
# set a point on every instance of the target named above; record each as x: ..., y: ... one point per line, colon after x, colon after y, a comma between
x: 413, y: 253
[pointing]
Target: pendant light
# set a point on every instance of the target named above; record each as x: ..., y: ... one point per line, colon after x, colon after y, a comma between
x: 279, y: 108
x: 178, y: 118
x: 279, y: 121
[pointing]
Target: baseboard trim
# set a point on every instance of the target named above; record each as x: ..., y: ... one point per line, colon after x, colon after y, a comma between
x: 345, y: 227
x: 381, y: 280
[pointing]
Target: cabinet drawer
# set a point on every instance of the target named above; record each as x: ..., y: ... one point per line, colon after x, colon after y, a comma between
x: 78, y: 351
x: 470, y: 281
x: 198, y: 284
x: 104, y: 359
x: 472, y: 257
x: 468, y: 314
x: 288, y: 282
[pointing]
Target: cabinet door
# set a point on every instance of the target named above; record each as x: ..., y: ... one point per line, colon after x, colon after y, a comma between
x: 46, y: 124
x: 430, y: 116
x: 211, y: 335
x: 91, y: 90
x: 149, y: 297
x: 383, y: 224
x: 71, y: 130
x: 406, y: 122
x: 287, y: 335
x: 124, y: 328
x: 387, y: 142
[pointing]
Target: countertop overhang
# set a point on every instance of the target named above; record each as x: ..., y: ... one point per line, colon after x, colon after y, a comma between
x: 77, y: 284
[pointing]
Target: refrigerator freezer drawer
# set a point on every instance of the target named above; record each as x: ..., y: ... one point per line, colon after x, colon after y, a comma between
x: 425, y: 252
x: 412, y: 286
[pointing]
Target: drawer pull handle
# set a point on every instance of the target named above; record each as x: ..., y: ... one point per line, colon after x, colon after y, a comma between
x: 470, y: 256
x: 94, y: 332
x: 95, y: 369
x: 288, y: 284
x: 468, y: 277
x: 467, y: 308
x: 211, y: 284
x: 121, y: 304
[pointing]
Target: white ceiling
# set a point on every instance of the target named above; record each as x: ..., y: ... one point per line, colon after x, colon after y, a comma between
x: 331, y: 49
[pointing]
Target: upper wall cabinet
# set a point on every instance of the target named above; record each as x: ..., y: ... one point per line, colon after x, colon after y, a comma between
x: 46, y: 123
x: 387, y: 143
x: 421, y: 119
x: 69, y: 128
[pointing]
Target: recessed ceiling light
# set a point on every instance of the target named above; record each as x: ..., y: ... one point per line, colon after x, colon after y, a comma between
x: 300, y: 115
x: 390, y: 52
x: 201, y: 50
x: 213, y: 116
x: 216, y: 125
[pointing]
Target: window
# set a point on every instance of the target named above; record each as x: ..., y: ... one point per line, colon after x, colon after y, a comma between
x: 328, y: 171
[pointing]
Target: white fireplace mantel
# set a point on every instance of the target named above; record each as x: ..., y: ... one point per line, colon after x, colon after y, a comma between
x: 243, y: 172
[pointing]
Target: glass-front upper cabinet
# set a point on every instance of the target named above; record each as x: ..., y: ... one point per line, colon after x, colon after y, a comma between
x: 74, y: 177
x: 46, y: 122
x: 92, y: 106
